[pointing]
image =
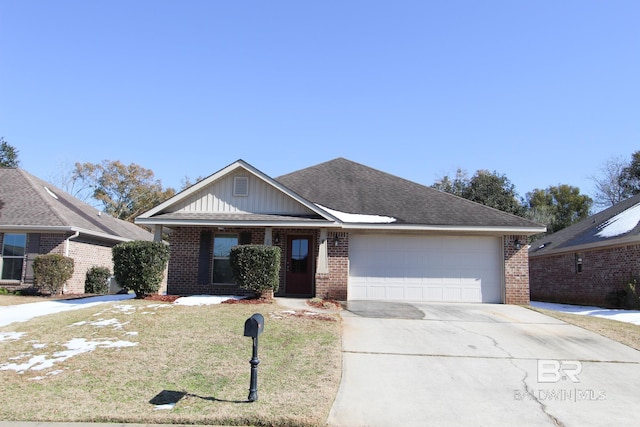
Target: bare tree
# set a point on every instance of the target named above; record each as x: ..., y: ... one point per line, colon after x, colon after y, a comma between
x: 610, y: 188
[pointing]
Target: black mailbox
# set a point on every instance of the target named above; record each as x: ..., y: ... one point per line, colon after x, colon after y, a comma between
x: 254, y: 325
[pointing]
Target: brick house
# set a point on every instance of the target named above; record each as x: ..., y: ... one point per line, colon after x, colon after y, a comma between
x: 38, y: 218
x: 346, y: 232
x: 583, y: 263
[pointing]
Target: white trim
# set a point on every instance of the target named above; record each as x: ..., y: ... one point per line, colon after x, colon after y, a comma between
x: 62, y: 229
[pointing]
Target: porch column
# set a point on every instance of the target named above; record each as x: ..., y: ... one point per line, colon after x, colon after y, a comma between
x: 322, y: 266
x: 268, y: 238
x: 157, y: 233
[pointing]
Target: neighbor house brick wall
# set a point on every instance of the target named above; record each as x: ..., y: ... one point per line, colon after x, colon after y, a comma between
x: 555, y: 278
x: 516, y: 270
x: 85, y: 255
x: 333, y: 285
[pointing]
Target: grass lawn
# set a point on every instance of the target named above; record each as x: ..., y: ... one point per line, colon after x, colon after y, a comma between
x: 143, y: 354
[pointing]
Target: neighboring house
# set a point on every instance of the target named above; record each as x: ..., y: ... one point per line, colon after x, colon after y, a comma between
x: 583, y: 263
x: 346, y: 232
x: 38, y: 218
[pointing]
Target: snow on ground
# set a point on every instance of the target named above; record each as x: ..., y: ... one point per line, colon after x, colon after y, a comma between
x: 628, y: 316
x: 622, y: 223
x: 103, y: 319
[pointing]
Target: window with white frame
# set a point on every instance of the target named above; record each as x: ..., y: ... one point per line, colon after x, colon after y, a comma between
x: 13, y: 251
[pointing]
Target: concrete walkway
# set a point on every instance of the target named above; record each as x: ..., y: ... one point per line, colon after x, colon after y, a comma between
x: 479, y: 365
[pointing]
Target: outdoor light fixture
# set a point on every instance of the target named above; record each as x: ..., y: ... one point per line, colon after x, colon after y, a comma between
x: 336, y: 240
x: 517, y: 244
x: 276, y: 238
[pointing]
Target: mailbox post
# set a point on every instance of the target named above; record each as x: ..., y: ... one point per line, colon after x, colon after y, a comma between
x: 253, y: 327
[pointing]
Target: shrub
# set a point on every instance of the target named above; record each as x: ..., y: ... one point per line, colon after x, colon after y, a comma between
x: 96, y: 281
x: 616, y: 299
x: 139, y: 265
x: 51, y: 272
x: 633, y: 298
x: 256, y: 267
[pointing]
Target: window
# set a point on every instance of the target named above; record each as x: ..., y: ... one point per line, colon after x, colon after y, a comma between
x: 13, y: 250
x: 578, y: 263
x: 222, y: 244
x: 299, y: 255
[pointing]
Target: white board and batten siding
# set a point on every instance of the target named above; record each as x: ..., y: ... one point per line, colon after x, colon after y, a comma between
x: 425, y: 268
x: 261, y: 198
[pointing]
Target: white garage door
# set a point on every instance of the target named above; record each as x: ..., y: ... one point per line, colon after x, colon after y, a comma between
x: 420, y: 268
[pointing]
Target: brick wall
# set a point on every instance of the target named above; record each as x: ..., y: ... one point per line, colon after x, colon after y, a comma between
x: 556, y: 278
x: 516, y: 270
x: 333, y: 285
x: 85, y: 255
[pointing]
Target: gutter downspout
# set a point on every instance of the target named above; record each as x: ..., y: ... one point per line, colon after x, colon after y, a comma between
x: 66, y: 246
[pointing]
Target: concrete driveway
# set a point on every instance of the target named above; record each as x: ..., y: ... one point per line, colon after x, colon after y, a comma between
x: 444, y: 364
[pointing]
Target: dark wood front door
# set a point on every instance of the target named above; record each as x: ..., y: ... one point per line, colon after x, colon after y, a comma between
x: 299, y: 278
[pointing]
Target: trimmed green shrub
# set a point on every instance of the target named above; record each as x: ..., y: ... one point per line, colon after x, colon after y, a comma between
x: 256, y: 267
x: 51, y: 272
x: 139, y: 265
x: 96, y: 281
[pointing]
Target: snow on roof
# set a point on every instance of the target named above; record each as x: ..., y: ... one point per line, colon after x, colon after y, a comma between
x: 350, y: 217
x: 622, y: 223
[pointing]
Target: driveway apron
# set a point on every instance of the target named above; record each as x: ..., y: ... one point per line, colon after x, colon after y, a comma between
x: 450, y: 364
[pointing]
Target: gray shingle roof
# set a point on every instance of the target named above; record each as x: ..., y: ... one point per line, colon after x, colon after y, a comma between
x: 350, y: 187
x: 585, y: 234
x: 25, y: 202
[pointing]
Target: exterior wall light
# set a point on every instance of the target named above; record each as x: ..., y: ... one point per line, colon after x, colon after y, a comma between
x: 336, y: 240
x: 517, y: 244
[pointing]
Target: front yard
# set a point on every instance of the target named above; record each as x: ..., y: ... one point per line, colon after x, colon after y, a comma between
x: 141, y: 361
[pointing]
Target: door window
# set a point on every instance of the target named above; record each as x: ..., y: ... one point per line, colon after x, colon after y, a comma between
x: 299, y: 255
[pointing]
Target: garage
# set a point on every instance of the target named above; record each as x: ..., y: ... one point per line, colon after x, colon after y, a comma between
x: 425, y: 268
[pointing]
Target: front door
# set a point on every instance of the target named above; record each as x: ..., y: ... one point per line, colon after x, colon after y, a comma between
x: 299, y: 277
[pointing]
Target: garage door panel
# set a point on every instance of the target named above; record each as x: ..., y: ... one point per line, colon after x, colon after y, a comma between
x: 421, y: 268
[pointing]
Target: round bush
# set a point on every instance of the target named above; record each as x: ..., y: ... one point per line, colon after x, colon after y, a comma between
x: 96, y: 281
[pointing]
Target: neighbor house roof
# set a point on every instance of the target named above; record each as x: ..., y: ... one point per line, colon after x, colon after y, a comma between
x: 347, y: 186
x: 342, y: 193
x: 30, y: 204
x: 617, y: 225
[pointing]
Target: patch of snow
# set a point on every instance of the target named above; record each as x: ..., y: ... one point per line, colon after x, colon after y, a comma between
x: 11, y: 336
x: 620, y: 224
x: 24, y: 312
x: 39, y: 345
x: 204, y: 299
x: 358, y: 218
x: 627, y: 316
x: 165, y: 406
x: 75, y: 347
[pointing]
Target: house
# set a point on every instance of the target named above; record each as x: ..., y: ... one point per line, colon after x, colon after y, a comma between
x: 38, y: 218
x: 346, y: 232
x: 585, y: 262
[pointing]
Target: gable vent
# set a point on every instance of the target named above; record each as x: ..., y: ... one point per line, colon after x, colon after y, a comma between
x: 241, y: 186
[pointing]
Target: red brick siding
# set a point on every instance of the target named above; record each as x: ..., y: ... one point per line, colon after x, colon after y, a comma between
x: 516, y: 270
x: 333, y: 285
x: 555, y: 278
x: 86, y: 255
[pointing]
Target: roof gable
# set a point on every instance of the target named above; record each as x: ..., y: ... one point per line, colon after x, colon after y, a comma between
x: 619, y: 224
x: 27, y: 202
x: 347, y: 186
x: 216, y: 195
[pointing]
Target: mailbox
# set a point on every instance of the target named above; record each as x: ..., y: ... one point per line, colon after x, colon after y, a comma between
x: 254, y: 325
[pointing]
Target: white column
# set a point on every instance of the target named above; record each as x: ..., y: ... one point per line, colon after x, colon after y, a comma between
x: 268, y: 240
x: 323, y: 256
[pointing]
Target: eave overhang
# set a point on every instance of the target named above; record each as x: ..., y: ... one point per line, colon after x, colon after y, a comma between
x: 62, y: 229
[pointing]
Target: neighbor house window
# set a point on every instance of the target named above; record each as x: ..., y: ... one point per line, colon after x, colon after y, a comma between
x: 578, y: 263
x: 222, y: 244
x: 13, y: 250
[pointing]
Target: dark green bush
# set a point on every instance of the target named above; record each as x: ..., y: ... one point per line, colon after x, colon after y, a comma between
x: 51, y: 272
x: 616, y: 298
x: 96, y: 281
x: 139, y: 265
x: 256, y: 267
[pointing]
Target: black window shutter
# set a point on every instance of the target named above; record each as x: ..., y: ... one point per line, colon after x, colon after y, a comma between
x: 245, y: 238
x: 33, y: 249
x: 204, y: 275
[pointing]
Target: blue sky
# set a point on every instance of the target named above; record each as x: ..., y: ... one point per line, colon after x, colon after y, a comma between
x: 542, y: 91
